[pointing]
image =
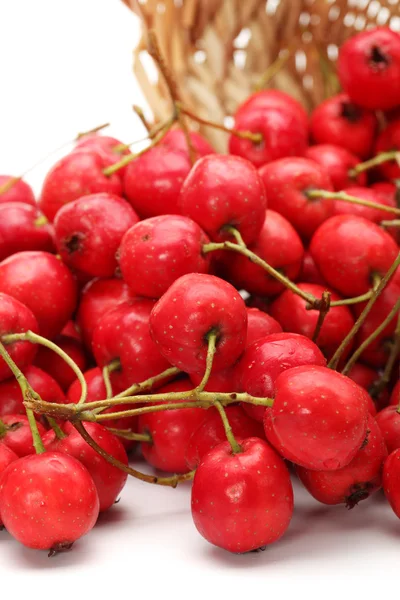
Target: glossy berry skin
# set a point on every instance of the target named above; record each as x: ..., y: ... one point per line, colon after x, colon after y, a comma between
x: 280, y: 246
x: 223, y: 191
x: 309, y: 272
x: 372, y: 214
x: 170, y: 431
x: 338, y: 162
x: 20, y: 229
x: 318, y: 419
x: 157, y: 251
x: 97, y: 298
x: 176, y: 140
x: 48, y: 501
x: 193, y: 307
x: 75, y: 175
x: 109, y: 480
x: 369, y: 251
x: 54, y: 365
x: 264, y: 360
x: 339, y: 121
x: 389, y: 139
x: 377, y: 352
x: 369, y: 68
x: 395, y: 396
x: 7, y: 456
x: 388, y: 421
x: 366, y: 377
x: 391, y: 480
x: 284, y: 133
x: 15, y: 317
x: 272, y: 98
x: 286, y: 184
x: 220, y: 381
x: 291, y: 312
x: 259, y: 325
x: 11, y: 400
x: 242, y: 502
x: 153, y: 181
x: 211, y: 432
x: 354, y: 482
x: 42, y: 282
x: 123, y: 333
x: 19, y: 436
x: 20, y: 191
x: 89, y: 232
x: 105, y: 145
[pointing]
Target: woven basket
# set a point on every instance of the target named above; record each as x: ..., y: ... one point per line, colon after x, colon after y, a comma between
x: 220, y: 51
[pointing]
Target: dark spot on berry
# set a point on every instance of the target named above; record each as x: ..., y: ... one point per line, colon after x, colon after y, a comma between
x: 145, y: 237
x: 378, y: 59
x: 74, y: 243
x: 351, y: 112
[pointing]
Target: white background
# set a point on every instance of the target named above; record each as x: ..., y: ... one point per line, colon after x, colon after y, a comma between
x: 65, y: 66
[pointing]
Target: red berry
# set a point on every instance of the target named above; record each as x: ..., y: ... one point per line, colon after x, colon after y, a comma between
x: 153, y: 181
x: 287, y: 182
x: 369, y: 68
x: 195, y: 306
x: 42, y: 282
x: 170, y: 431
x: 372, y: 214
x: 354, y: 482
x: 156, y: 251
x: 291, y: 312
x: 284, y: 133
x: 98, y: 297
x: 309, y: 272
x: 56, y: 366
x: 339, y: 121
x: 19, y: 191
x: 318, y: 419
x: 280, y: 246
x: 105, y: 145
x: 89, y: 232
x: 264, y: 360
x: 338, y: 162
x: 366, y: 377
x: 7, y: 456
x: 259, y: 325
x: 48, y: 501
x: 18, y: 436
x: 273, y: 99
x: 11, y: 400
x: 391, y: 479
x: 123, y: 334
x: 350, y: 250
x: 109, y: 480
x: 242, y: 502
x: 389, y: 139
x: 211, y: 432
x: 176, y: 140
x: 21, y: 229
x: 223, y: 191
x: 221, y: 381
x: 395, y: 397
x: 388, y: 420
x: 15, y: 317
x: 71, y: 330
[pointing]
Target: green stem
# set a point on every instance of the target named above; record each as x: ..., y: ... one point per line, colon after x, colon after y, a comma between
x: 355, y: 300
x: 379, y: 385
x: 212, y: 347
x: 371, y: 338
x: 34, y: 338
x: 143, y: 410
x: 127, y: 434
x: 152, y: 134
x: 333, y: 363
x: 236, y: 448
x: 394, y: 223
x: 214, y: 246
x: 323, y: 311
x: 28, y: 394
x: 56, y: 428
x: 114, y: 365
x: 235, y: 233
x: 137, y: 388
x: 352, y: 200
x: 3, y: 428
x: 166, y: 481
x: 374, y: 162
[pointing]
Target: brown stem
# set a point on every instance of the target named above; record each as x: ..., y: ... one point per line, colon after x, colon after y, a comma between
x: 394, y: 223
x: 139, y: 112
x: 351, y: 199
x: 91, y: 131
x: 374, y: 162
x: 273, y: 69
x: 379, y: 385
x: 166, y: 481
x: 323, y: 311
x: 333, y: 363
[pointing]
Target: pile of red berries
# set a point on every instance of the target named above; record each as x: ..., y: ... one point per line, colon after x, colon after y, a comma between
x: 235, y: 315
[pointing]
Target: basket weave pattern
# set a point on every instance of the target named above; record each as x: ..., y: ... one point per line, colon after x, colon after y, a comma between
x: 219, y: 49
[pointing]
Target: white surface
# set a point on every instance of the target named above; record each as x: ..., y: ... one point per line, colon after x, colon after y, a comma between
x: 65, y: 67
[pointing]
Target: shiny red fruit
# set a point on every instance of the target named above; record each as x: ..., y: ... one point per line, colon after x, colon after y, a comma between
x: 89, y: 232
x: 7, y: 456
x: 389, y: 139
x: 388, y: 420
x: 48, y: 501
x: 272, y: 98
x: 224, y: 191
x: 157, y: 251
x: 391, y: 481
x: 11, y: 400
x: 18, y: 436
x: 318, y: 419
x: 309, y: 272
x: 219, y: 381
x: 42, y: 282
x: 338, y: 162
x: 242, y: 502
x: 56, y: 366
x: 176, y: 140
x: 22, y: 228
x: 195, y: 306
x: 19, y: 191
x: 372, y: 214
x: 259, y: 325
x: 354, y: 482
